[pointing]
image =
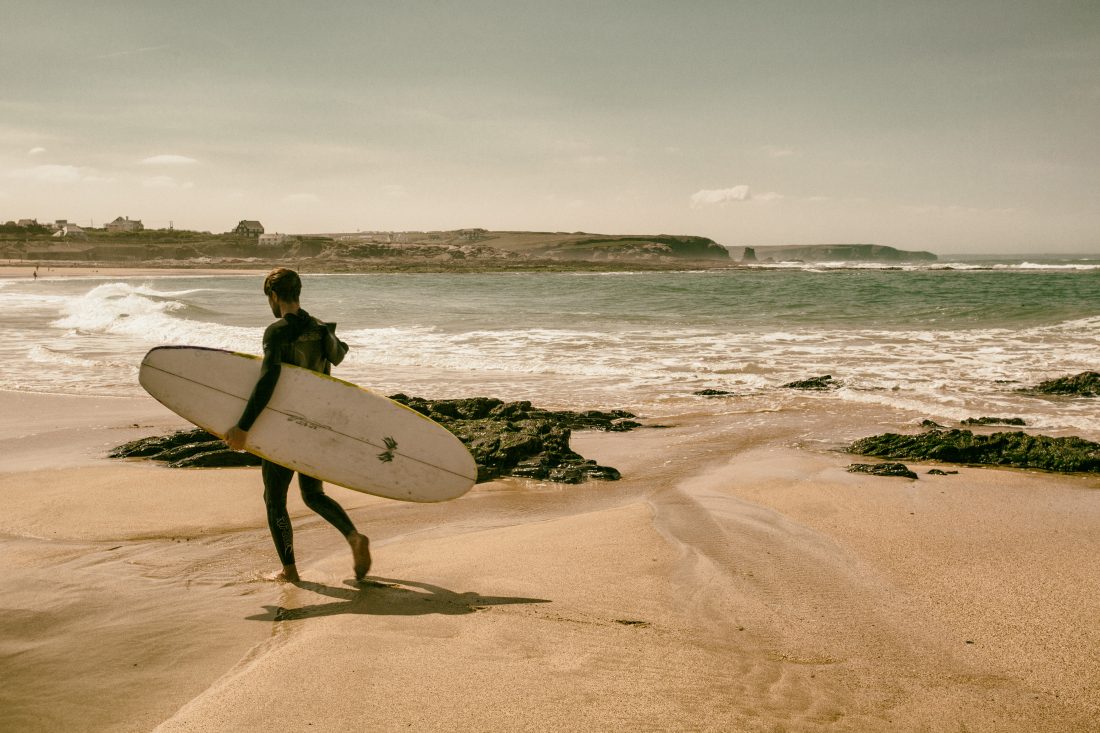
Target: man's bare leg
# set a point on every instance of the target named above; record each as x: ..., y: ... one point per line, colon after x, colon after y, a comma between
x: 360, y: 553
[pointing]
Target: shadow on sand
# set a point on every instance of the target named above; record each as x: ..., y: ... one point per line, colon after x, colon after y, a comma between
x: 387, y: 597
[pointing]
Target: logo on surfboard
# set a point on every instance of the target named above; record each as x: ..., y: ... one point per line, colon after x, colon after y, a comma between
x: 387, y: 455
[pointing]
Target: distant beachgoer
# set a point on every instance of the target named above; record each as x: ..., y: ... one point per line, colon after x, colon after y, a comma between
x: 300, y: 339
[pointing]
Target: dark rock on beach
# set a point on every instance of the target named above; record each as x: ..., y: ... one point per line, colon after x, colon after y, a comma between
x: 882, y: 469
x: 712, y: 393
x: 517, y: 439
x: 993, y: 421
x: 1085, y: 384
x: 941, y: 472
x: 931, y: 425
x: 219, y: 458
x: 814, y: 383
x: 505, y: 438
x: 151, y: 447
x: 1016, y: 449
x: 185, y: 449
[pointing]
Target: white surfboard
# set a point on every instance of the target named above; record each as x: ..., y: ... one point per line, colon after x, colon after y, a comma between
x: 316, y: 424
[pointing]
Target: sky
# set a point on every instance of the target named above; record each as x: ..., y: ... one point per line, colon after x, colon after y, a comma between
x: 943, y: 126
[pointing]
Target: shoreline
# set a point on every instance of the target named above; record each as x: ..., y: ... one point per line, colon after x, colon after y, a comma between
x: 736, y: 577
x: 310, y: 267
x: 68, y: 270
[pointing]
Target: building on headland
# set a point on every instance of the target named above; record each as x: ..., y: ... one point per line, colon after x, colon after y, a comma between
x: 65, y: 230
x: 125, y: 224
x: 472, y: 235
x: 27, y: 223
x: 273, y: 239
x: 249, y: 228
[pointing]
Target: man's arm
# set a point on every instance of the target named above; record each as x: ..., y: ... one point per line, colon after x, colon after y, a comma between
x: 270, y: 370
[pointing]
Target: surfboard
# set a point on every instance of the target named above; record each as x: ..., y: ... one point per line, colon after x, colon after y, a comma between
x: 316, y: 424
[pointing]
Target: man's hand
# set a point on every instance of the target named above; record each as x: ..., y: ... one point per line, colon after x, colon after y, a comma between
x: 235, y: 438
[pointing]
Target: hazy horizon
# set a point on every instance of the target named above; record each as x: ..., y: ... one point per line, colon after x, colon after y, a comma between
x: 941, y: 127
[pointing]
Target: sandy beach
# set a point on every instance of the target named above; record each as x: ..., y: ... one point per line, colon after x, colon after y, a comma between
x: 114, y: 269
x: 737, y: 578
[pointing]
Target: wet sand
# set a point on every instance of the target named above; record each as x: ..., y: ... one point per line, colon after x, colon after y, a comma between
x: 737, y: 578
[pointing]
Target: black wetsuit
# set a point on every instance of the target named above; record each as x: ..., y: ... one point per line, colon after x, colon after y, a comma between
x: 304, y: 341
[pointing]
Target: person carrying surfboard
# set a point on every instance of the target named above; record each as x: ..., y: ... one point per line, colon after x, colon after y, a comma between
x: 300, y: 339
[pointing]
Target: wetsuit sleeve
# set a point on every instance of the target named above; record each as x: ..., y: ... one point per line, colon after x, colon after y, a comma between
x: 335, y: 349
x: 269, y: 376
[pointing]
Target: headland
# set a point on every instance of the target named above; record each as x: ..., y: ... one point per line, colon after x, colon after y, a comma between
x: 461, y: 250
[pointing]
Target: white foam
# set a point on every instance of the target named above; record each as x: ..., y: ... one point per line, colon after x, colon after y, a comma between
x: 45, y: 355
x: 148, y: 315
x: 929, y: 266
x: 97, y: 337
x: 1046, y: 266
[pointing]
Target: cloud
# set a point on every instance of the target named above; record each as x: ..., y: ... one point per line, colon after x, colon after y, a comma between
x: 165, y: 182
x: 168, y: 159
x: 721, y: 196
x: 767, y: 197
x: 36, y: 151
x: 129, y: 52
x: 301, y: 198
x: 57, y: 174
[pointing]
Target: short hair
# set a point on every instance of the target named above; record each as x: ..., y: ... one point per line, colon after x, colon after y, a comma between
x: 285, y: 283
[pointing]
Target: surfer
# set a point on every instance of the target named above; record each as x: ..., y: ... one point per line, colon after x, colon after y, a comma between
x: 300, y: 339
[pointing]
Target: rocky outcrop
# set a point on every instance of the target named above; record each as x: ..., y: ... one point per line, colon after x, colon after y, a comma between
x: 1085, y: 384
x: 505, y: 439
x: 660, y: 246
x: 821, y: 383
x: 517, y: 439
x: 882, y: 469
x: 185, y: 449
x: 843, y: 253
x: 993, y: 421
x: 1016, y: 449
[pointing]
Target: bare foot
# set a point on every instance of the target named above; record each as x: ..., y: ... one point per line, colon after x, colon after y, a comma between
x: 289, y: 574
x: 360, y: 553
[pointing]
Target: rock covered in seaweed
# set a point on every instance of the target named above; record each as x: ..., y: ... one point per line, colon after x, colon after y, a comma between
x: 517, y: 439
x: 1016, y: 449
x: 993, y: 421
x: 185, y: 449
x: 821, y: 383
x: 505, y: 439
x: 1085, y: 384
x: 882, y: 469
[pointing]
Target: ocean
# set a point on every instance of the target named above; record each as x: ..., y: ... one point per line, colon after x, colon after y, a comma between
x: 945, y: 342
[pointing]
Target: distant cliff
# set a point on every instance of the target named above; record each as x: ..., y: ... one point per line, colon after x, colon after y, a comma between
x: 837, y: 253
x: 596, y: 247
